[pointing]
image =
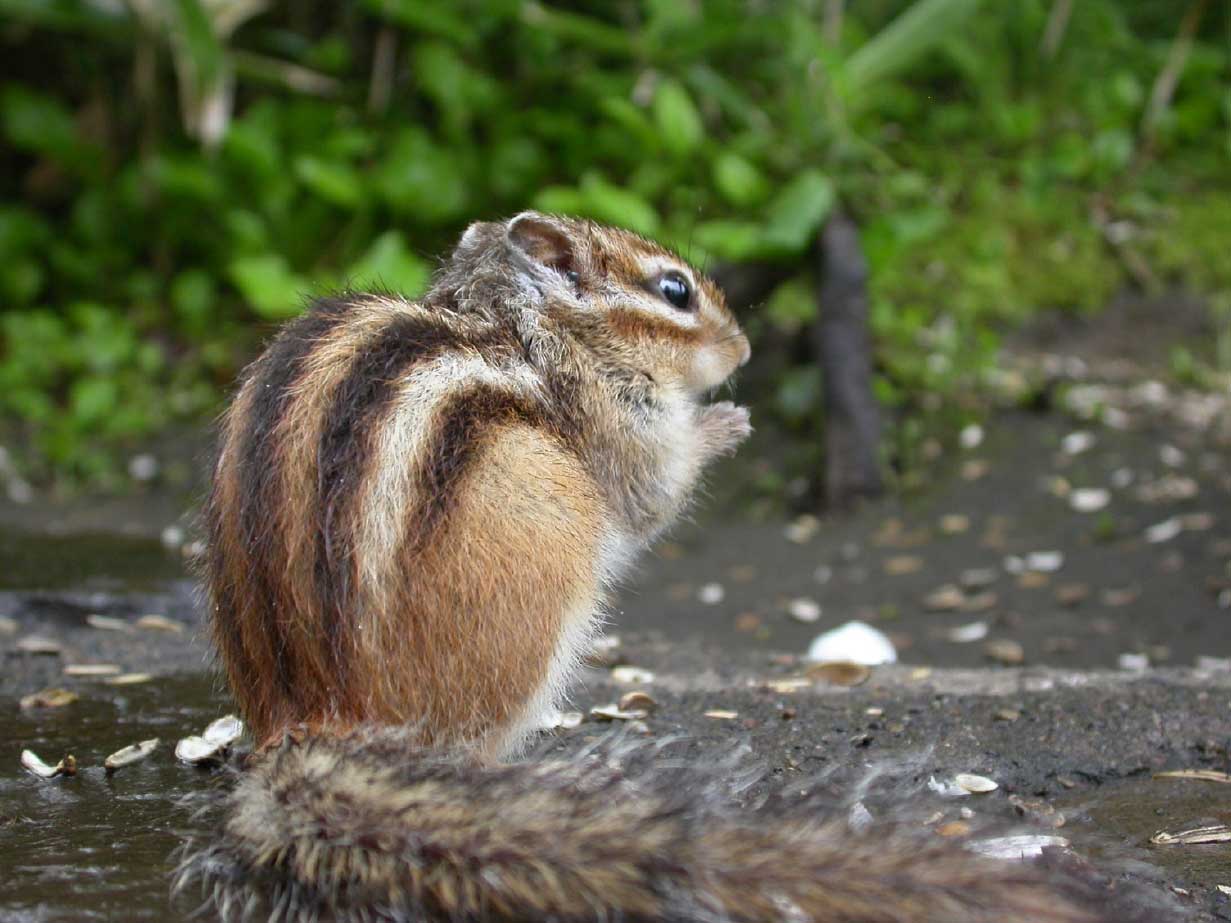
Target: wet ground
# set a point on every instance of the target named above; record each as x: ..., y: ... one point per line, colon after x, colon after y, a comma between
x: 1071, y: 729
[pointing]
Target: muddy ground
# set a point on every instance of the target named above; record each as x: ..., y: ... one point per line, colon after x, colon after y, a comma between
x: 1117, y: 664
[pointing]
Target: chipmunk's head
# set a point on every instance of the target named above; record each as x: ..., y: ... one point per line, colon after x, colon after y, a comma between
x: 628, y: 298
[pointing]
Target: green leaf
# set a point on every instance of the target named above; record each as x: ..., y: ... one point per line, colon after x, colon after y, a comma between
x: 740, y: 182
x: 91, y: 400
x: 579, y: 30
x: 41, y: 124
x: 187, y: 176
x: 421, y: 180
x: 96, y: 19
x: 193, y: 296
x: 428, y: 18
x: 603, y: 201
x: 732, y: 240
x: 612, y: 204
x: 389, y: 264
x: 631, y: 119
x: 798, y: 211
x: 199, y: 42
x: 561, y: 200
x: 335, y: 182
x: 792, y: 305
x: 679, y: 123
x: 918, y: 29
x: 268, y: 284
x: 252, y: 145
x: 517, y: 165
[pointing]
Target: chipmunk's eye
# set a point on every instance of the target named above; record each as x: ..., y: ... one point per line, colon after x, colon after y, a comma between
x: 674, y: 287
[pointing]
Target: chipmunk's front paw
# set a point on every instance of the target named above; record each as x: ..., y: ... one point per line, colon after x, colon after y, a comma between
x: 723, y: 427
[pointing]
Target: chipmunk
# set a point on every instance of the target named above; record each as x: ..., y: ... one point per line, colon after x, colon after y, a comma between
x: 417, y: 511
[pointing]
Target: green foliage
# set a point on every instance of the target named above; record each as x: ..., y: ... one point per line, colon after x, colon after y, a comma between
x: 179, y: 176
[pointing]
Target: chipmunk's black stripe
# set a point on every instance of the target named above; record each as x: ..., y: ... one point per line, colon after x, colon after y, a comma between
x: 273, y: 377
x: 455, y: 443
x: 359, y: 405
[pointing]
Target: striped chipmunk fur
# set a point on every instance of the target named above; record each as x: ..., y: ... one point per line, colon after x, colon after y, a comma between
x: 417, y: 510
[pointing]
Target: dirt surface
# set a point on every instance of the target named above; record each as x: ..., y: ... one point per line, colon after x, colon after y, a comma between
x: 1071, y: 729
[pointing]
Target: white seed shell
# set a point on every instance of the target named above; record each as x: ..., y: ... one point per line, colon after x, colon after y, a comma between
x: 197, y: 750
x: 857, y: 642
x: 224, y: 731
x: 976, y: 785
x: 130, y: 754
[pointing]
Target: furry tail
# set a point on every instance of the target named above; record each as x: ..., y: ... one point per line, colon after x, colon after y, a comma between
x: 368, y: 828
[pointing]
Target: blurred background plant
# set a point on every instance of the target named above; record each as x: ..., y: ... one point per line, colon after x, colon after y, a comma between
x: 178, y: 174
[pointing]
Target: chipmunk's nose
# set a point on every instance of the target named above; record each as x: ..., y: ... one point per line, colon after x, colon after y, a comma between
x: 747, y: 351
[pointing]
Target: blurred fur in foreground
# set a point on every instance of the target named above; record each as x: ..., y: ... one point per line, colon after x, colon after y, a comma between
x: 371, y: 827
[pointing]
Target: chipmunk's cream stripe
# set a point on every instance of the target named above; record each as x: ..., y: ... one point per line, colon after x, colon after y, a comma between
x: 390, y: 491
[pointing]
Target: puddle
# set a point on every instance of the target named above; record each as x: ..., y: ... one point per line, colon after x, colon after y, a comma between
x: 93, y: 846
x: 91, y: 561
x: 1115, y: 821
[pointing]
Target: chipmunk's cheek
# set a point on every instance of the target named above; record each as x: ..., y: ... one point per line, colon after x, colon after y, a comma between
x: 714, y: 364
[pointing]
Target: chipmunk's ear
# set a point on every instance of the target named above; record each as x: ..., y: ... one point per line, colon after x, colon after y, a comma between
x: 476, y: 232
x: 542, y: 241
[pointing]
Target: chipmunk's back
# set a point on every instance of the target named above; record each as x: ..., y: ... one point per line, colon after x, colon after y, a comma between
x: 389, y: 475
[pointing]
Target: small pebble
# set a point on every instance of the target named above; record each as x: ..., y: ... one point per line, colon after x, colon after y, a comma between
x: 1072, y: 594
x: 722, y: 714
x: 802, y: 529
x: 49, y: 698
x: 625, y: 675
x: 903, y: 564
x: 1077, y: 442
x: 1164, y: 531
x: 711, y: 594
x: 788, y: 685
x: 944, y: 599
x: 1089, y: 499
x: 980, y: 602
x: 1006, y: 651
x: 1045, y: 562
x: 976, y: 578
x: 971, y: 436
x: 159, y: 623
x: 964, y: 634
x: 143, y: 467
x: 1135, y: 663
x: 1032, y: 580
x: 804, y: 609
x: 974, y: 469
x: 1170, y: 456
x: 107, y: 622
x: 954, y: 524
x: 128, y: 679
x: 1119, y: 596
x: 39, y: 644
x: 637, y: 700
x: 840, y: 673
x: 91, y: 669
